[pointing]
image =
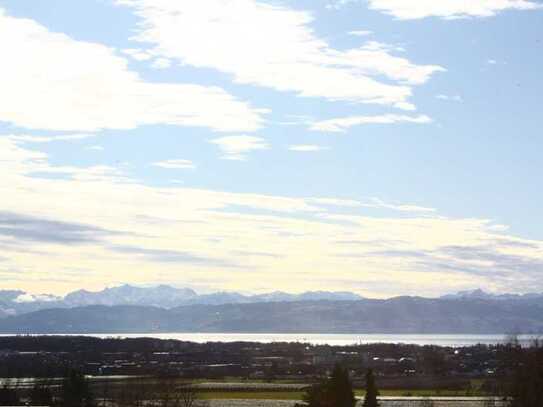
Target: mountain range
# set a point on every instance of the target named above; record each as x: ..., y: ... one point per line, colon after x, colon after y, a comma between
x: 129, y: 309
x: 15, y: 302
x: 483, y: 295
x: 400, y: 315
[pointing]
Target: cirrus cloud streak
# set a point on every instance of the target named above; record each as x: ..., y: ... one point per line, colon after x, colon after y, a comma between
x: 126, y: 230
x: 342, y: 124
x: 449, y: 9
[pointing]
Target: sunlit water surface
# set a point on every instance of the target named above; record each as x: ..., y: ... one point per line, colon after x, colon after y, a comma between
x: 328, y: 339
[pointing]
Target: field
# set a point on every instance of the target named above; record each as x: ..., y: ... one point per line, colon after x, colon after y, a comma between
x: 384, y: 402
x: 298, y: 395
x: 210, y: 390
x: 239, y: 393
x: 233, y: 394
x: 252, y: 395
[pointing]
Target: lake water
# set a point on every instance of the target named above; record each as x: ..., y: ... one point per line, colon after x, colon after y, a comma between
x: 328, y: 339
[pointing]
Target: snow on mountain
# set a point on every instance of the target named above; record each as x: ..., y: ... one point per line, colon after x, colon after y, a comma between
x: 163, y: 296
x: 13, y: 302
x: 160, y: 296
x: 483, y: 295
x: 26, y: 297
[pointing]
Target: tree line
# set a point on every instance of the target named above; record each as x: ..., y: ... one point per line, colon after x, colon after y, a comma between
x: 76, y: 391
x: 337, y: 390
x: 519, y: 381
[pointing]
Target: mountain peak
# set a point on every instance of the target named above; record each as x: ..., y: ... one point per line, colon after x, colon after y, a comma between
x: 480, y: 294
x: 476, y: 293
x: 163, y: 296
x: 168, y: 297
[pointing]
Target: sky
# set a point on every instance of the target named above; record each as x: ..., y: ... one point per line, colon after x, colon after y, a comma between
x: 383, y: 147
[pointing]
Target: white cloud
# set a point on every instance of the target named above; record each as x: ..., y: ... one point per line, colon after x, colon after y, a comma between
x: 380, y: 46
x: 342, y: 124
x: 95, y: 148
x: 491, y: 62
x: 175, y: 164
x: 360, y: 33
x: 191, y: 225
x: 450, y: 98
x: 137, y: 54
x: 26, y: 297
x: 449, y: 9
x: 50, y: 81
x: 308, y: 148
x: 19, y: 161
x: 337, y: 4
x: 274, y: 47
x: 237, y: 147
x: 374, y: 203
x: 161, y: 63
x: 48, y: 139
x: 380, y: 204
x: 348, y: 203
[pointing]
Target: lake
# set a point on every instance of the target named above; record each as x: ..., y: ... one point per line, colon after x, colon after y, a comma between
x: 454, y: 340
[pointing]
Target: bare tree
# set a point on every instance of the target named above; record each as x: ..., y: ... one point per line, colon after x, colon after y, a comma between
x: 170, y: 393
x: 188, y: 395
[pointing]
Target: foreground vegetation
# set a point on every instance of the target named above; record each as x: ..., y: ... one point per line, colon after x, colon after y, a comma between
x: 76, y: 390
x: 518, y: 377
x: 298, y: 395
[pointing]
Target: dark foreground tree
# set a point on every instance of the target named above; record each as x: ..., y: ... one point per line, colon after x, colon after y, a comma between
x: 335, y: 391
x: 527, y: 389
x: 75, y: 391
x: 370, y: 400
x: 41, y: 395
x: 9, y: 396
x: 520, y: 373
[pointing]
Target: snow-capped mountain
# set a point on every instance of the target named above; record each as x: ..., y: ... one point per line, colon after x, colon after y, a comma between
x: 163, y: 296
x: 483, y: 295
x: 15, y: 302
x: 159, y: 296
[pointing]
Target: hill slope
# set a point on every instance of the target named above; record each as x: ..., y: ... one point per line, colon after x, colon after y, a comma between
x: 397, y: 315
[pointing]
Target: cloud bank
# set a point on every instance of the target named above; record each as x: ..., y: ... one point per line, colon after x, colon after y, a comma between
x: 50, y: 81
x: 274, y: 47
x: 118, y: 230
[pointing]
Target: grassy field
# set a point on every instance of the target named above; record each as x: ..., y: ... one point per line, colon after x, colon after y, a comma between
x: 297, y: 395
x: 252, y: 395
x: 236, y: 388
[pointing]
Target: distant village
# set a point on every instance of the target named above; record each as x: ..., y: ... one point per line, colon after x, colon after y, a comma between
x: 398, y: 366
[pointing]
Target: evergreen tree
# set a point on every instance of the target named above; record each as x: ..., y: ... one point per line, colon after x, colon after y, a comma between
x: 41, y: 396
x: 371, y: 391
x: 9, y: 397
x: 336, y: 391
x: 527, y: 389
x: 76, y: 391
x: 521, y: 374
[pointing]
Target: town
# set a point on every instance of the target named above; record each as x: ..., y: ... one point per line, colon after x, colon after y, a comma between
x: 407, y: 367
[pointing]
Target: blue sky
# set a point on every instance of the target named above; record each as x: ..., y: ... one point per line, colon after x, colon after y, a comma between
x: 379, y: 146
